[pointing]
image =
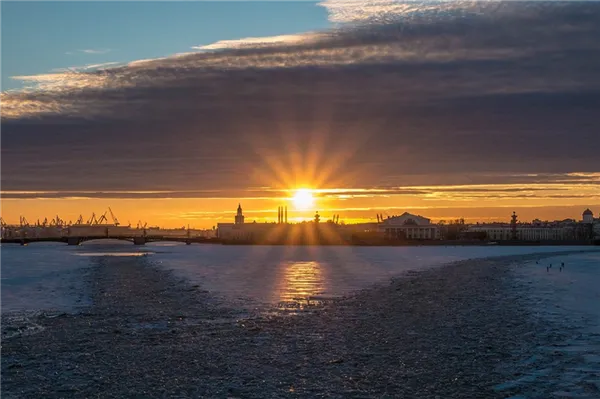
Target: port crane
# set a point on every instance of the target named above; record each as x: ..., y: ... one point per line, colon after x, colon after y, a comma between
x: 92, y: 219
x: 102, y: 218
x: 112, y: 215
x: 57, y: 221
x: 140, y: 225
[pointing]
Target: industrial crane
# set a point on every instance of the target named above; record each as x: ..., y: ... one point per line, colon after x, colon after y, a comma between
x: 112, y: 215
x: 102, y: 219
x: 56, y: 221
x: 92, y: 219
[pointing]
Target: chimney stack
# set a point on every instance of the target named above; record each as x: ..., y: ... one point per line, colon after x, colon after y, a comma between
x: 278, y: 214
x: 286, y: 214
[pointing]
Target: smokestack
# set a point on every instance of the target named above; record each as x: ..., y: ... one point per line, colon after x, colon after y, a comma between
x: 286, y: 214
x: 278, y: 214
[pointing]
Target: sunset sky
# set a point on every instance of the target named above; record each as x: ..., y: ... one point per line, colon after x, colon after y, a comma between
x: 173, y: 113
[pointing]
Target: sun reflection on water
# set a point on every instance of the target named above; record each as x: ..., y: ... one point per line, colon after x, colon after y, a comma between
x: 299, y: 282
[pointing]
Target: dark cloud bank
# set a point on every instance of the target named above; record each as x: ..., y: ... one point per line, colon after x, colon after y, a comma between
x: 487, y: 89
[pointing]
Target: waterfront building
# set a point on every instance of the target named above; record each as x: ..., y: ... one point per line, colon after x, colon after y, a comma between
x: 239, y: 217
x: 314, y: 231
x: 524, y: 231
x: 409, y: 226
x: 537, y: 230
x: 588, y: 216
x: 592, y: 223
x: 239, y: 230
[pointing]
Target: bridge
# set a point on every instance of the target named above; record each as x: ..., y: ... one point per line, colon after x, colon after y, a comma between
x: 57, y: 230
x: 137, y: 240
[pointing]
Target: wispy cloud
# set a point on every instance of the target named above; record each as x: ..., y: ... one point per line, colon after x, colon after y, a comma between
x: 95, y: 51
x: 568, y: 185
x: 561, y: 186
x: 386, y: 11
x: 262, y: 42
x: 81, y: 68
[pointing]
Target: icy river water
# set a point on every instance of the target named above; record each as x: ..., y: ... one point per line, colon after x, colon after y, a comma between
x: 263, y: 279
x: 45, y: 276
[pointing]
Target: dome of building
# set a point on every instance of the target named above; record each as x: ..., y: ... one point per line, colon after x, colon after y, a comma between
x: 588, y: 212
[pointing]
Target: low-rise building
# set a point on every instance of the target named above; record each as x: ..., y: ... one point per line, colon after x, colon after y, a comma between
x: 537, y: 230
x: 409, y: 226
x: 524, y: 231
x: 241, y: 231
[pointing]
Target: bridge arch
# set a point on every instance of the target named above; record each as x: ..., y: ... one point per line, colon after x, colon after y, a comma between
x: 137, y: 240
x: 82, y: 240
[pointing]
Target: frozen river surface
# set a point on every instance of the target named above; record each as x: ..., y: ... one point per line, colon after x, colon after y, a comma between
x: 562, y: 303
x: 48, y: 276
x: 566, y: 303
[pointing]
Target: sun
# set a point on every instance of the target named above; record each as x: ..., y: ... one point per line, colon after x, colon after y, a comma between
x: 303, y: 199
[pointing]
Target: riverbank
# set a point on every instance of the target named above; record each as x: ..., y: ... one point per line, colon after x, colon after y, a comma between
x: 326, y: 241
x: 441, y: 332
x: 418, y: 243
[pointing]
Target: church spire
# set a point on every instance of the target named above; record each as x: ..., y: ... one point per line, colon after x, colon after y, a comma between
x: 239, y: 218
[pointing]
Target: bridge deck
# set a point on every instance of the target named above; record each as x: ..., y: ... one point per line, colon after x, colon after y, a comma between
x: 138, y: 240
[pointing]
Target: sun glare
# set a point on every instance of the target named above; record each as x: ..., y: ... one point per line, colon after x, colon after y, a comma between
x: 303, y: 199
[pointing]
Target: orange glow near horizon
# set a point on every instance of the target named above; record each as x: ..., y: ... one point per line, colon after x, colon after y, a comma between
x: 476, y: 202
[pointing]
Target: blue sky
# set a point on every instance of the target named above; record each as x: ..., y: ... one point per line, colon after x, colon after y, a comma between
x: 38, y: 37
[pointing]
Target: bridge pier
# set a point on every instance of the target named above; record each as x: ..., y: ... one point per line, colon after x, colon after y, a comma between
x: 139, y: 240
x: 73, y: 241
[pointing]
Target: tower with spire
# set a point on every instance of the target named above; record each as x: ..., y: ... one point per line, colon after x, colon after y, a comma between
x: 513, y: 226
x: 239, y: 217
x: 588, y: 216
